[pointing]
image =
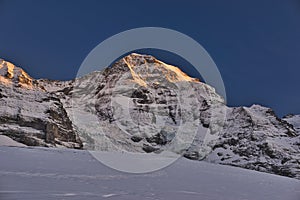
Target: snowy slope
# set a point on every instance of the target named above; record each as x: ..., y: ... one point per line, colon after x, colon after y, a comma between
x: 43, y: 173
x: 6, y: 141
x: 294, y: 120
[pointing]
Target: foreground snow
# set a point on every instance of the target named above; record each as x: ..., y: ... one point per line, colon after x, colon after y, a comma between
x: 42, y: 173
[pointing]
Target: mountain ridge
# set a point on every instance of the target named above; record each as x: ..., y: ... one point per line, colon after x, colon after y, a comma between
x: 141, y: 104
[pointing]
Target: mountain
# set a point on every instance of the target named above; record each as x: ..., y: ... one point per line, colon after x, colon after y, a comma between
x: 141, y: 104
x: 30, y: 114
x: 294, y: 120
x: 255, y: 138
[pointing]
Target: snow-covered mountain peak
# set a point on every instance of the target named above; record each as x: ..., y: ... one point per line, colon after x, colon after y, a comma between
x: 146, y: 69
x: 13, y: 75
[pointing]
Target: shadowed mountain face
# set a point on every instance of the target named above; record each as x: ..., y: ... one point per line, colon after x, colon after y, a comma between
x: 141, y: 104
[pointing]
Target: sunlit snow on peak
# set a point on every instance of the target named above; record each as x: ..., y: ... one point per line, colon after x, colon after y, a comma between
x: 146, y: 69
x: 10, y: 74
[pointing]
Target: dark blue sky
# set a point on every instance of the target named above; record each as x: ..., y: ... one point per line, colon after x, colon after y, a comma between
x: 255, y: 44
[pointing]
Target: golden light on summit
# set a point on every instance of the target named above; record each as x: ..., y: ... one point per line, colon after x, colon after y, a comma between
x: 144, y: 68
x: 10, y: 74
x: 10, y: 70
x: 135, y: 76
x: 180, y: 75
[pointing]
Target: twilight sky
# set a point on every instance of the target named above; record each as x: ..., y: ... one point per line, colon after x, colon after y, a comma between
x: 255, y: 44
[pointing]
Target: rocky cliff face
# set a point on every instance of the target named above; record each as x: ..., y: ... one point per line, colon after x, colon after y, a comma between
x: 30, y: 114
x: 255, y: 138
x: 141, y: 104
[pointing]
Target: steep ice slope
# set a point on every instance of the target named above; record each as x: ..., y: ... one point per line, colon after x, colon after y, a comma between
x: 40, y: 173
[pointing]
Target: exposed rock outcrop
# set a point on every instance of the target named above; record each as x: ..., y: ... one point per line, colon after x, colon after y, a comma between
x: 31, y: 115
